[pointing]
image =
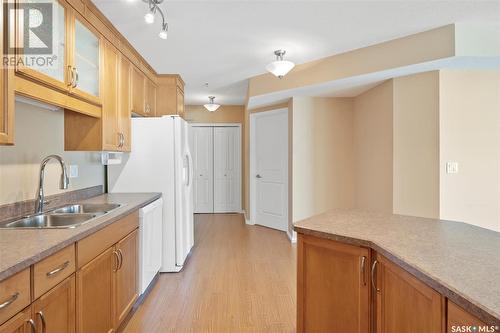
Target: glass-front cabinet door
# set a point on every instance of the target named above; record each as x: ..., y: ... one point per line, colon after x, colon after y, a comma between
x: 86, y: 60
x: 40, y: 40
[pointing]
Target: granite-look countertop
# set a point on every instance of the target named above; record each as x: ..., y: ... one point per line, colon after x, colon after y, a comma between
x: 459, y: 260
x: 20, y: 248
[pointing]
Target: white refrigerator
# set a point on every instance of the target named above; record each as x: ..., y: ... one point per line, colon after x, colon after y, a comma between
x: 160, y: 161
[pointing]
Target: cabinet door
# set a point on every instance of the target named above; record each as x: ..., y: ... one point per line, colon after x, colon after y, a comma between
x: 124, y: 103
x: 51, y: 66
x: 138, y: 91
x: 458, y: 317
x: 180, y: 102
x: 110, y: 133
x: 86, y: 60
x: 126, y: 276
x: 94, y: 295
x: 404, y: 304
x: 20, y: 323
x: 333, y: 290
x: 150, y: 107
x: 54, y: 312
x: 6, y: 93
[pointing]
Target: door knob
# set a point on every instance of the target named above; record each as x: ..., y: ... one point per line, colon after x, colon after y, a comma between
x: 258, y: 176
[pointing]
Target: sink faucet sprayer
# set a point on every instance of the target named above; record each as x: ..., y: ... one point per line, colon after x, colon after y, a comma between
x: 63, y: 184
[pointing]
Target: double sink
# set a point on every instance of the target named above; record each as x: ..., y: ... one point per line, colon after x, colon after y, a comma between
x: 69, y: 216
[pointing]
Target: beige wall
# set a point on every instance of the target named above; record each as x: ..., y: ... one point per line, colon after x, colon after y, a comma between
x: 470, y: 135
x: 38, y: 133
x: 322, y: 155
x: 372, y: 138
x: 224, y: 114
x: 416, y: 145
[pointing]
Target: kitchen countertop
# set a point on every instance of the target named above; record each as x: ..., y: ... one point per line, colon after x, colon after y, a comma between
x: 459, y: 260
x: 20, y: 248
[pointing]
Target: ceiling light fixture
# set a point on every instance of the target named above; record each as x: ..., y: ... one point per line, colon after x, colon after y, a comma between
x: 280, y: 67
x: 211, y: 106
x: 149, y: 17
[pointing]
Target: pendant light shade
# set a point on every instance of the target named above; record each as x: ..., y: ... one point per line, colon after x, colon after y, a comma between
x: 280, y: 67
x: 211, y: 106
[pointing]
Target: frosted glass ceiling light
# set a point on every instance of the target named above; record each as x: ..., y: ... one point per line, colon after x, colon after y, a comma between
x: 149, y: 17
x: 211, y: 106
x: 280, y: 67
x: 163, y: 32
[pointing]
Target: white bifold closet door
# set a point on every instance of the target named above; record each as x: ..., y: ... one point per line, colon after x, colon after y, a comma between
x: 203, y: 161
x: 217, y: 160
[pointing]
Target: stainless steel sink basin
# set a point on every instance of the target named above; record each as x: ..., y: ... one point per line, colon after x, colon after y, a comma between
x: 65, y: 217
x: 86, y: 208
x: 51, y: 221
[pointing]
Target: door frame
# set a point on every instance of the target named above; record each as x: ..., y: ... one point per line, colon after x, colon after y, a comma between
x: 240, y: 155
x: 252, y: 172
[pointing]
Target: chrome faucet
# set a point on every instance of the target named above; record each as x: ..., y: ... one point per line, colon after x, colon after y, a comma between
x: 63, y: 184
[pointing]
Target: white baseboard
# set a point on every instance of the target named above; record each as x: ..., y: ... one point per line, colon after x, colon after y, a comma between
x: 292, y: 237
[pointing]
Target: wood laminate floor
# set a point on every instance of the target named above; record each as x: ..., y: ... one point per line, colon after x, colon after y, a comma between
x: 239, y: 278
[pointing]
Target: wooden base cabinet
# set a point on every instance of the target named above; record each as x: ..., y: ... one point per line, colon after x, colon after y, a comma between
x: 94, y: 298
x: 20, y: 323
x: 403, y: 303
x: 107, y: 287
x: 54, y: 312
x: 333, y: 289
x: 126, y: 276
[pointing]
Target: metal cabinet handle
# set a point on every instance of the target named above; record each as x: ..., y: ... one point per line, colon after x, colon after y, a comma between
x: 58, y: 269
x: 117, y: 256
x: 72, y: 77
x: 121, y: 259
x: 76, y: 77
x: 123, y: 139
x: 258, y: 176
x: 11, y: 300
x: 374, y: 266
x: 362, y: 268
x: 32, y: 325
x: 42, y: 318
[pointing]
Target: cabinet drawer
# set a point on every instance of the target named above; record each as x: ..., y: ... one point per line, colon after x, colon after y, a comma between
x: 52, y: 270
x: 14, y: 294
x: 90, y: 247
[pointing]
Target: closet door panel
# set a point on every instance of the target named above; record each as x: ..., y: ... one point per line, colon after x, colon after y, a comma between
x: 227, y: 165
x: 203, y: 169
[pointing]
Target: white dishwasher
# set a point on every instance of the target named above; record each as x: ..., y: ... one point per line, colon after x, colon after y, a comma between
x: 150, y: 242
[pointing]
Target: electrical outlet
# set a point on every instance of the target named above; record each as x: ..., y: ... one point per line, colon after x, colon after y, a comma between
x: 451, y: 167
x: 73, y: 171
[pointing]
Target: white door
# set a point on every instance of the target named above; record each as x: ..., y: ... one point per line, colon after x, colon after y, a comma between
x: 269, y: 168
x: 202, y: 147
x: 227, y: 169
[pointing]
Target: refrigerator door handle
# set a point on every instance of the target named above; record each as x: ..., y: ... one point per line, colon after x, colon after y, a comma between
x: 188, y: 169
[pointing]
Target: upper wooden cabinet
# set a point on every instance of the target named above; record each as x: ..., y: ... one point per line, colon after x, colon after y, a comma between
x: 170, y: 95
x: 138, y: 93
x: 150, y: 106
x: 111, y: 132
x: 75, y: 69
x: 6, y: 92
x: 333, y: 288
x: 403, y: 303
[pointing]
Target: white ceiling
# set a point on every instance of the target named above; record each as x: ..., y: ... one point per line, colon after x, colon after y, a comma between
x: 226, y: 42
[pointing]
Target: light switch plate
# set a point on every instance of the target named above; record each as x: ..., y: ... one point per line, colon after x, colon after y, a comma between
x: 451, y: 167
x: 73, y: 171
